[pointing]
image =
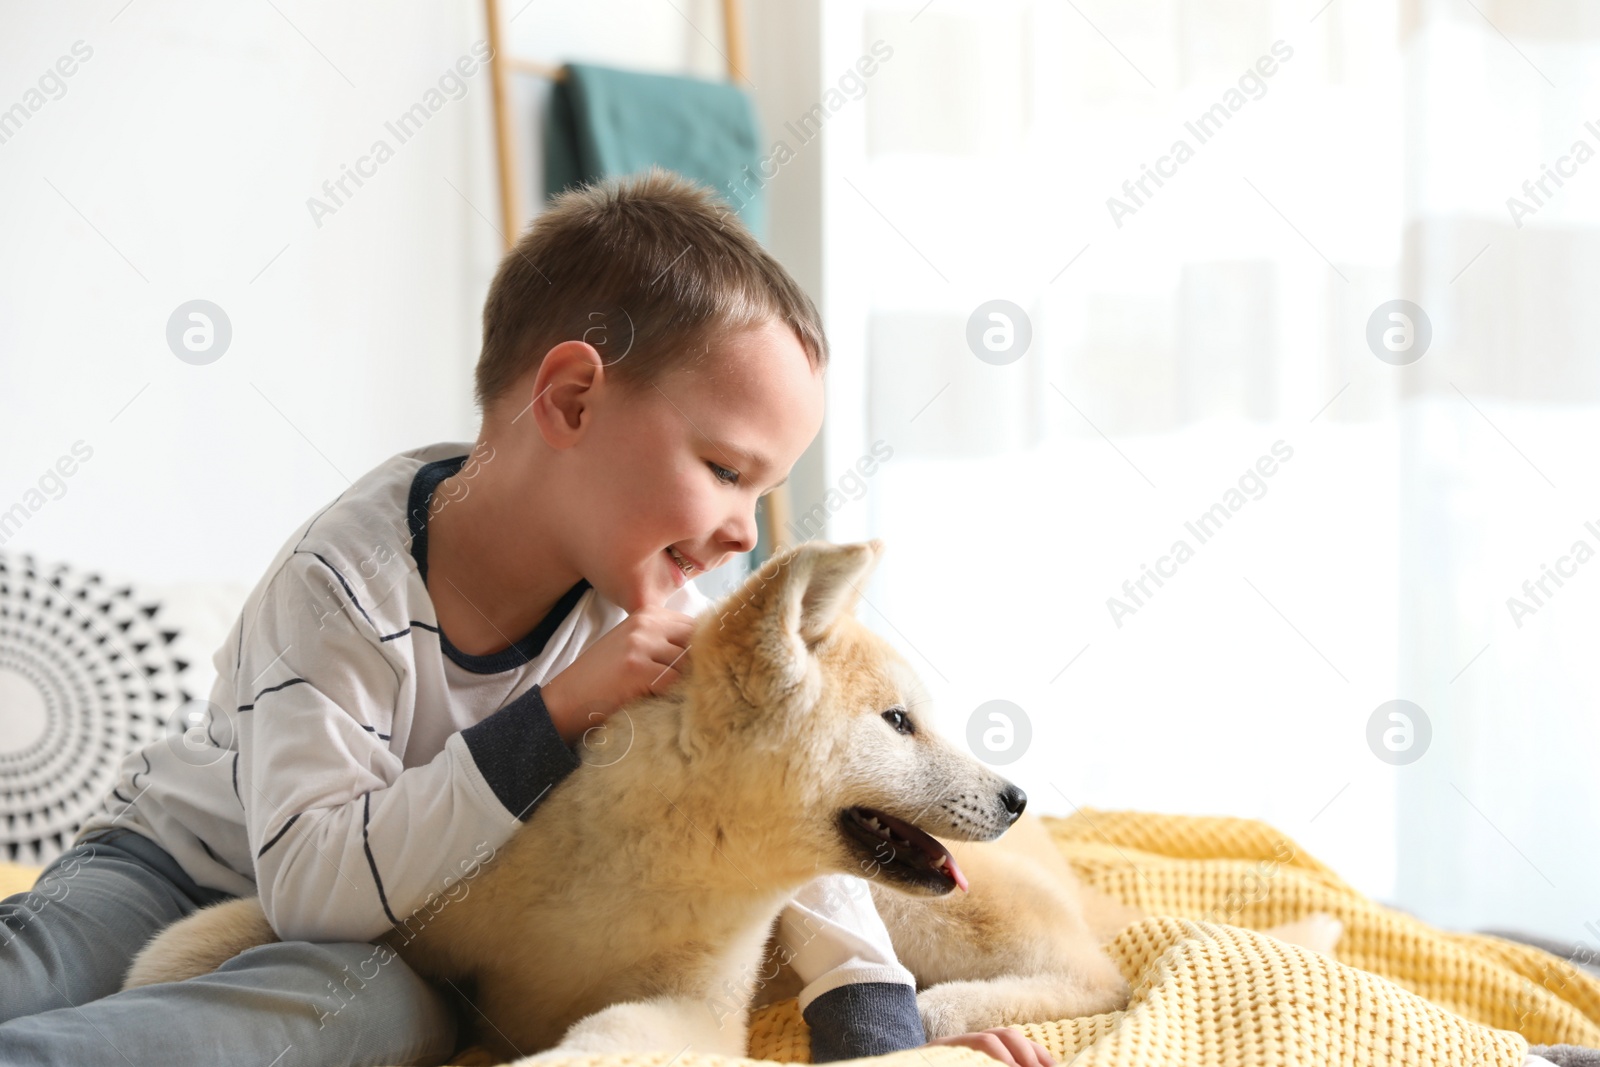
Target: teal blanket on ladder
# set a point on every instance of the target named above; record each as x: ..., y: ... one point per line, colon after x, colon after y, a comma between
x: 606, y: 123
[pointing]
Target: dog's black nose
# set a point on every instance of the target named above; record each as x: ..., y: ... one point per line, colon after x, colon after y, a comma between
x: 1015, y: 800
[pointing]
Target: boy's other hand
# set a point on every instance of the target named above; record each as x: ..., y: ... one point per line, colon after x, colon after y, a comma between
x: 1008, y: 1046
x: 642, y: 654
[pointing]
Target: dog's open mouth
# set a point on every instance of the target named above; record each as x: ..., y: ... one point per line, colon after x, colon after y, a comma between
x: 900, y: 851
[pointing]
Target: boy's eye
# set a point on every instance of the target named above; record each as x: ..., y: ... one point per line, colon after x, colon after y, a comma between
x: 724, y: 475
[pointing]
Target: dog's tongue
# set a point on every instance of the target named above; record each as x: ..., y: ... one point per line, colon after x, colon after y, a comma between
x: 951, y: 867
x: 955, y: 872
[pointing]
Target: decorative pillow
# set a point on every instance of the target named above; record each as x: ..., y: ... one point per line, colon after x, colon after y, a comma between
x: 90, y: 669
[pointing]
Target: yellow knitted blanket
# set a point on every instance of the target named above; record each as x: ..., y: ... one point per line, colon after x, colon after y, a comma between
x: 1208, y: 990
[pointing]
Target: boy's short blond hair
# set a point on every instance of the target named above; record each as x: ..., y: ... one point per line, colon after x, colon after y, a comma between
x: 649, y: 269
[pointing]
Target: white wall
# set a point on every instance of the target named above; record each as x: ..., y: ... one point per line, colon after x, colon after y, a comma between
x: 176, y: 166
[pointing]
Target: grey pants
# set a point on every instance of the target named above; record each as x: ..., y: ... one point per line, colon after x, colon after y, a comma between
x: 65, y: 946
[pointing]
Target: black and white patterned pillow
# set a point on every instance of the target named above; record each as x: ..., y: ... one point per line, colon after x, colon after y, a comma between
x: 89, y: 670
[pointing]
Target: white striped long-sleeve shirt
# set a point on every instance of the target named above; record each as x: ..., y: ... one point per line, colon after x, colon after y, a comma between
x: 355, y: 762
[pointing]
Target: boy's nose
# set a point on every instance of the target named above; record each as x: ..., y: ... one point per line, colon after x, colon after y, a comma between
x: 739, y: 535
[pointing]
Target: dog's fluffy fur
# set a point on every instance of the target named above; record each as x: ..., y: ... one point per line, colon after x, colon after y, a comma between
x: 617, y: 916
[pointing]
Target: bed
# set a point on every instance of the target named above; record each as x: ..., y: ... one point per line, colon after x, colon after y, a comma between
x: 1210, y: 990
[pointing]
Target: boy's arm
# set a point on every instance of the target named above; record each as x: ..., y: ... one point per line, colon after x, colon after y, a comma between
x: 346, y: 840
x: 859, y: 999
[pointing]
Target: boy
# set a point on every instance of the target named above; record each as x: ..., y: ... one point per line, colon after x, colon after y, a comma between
x: 419, y: 664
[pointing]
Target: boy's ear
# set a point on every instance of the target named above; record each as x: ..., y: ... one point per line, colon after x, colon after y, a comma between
x: 561, y: 390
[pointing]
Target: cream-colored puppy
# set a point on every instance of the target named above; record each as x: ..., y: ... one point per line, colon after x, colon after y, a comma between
x: 615, y: 919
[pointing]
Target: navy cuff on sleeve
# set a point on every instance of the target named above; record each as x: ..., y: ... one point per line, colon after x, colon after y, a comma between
x: 520, y: 753
x: 864, y: 1019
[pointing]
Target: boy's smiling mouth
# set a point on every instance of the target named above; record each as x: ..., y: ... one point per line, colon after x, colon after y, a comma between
x: 685, y: 565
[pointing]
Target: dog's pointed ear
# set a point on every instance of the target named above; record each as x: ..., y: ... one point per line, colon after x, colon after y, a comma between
x: 764, y: 633
x: 807, y: 588
x: 816, y: 596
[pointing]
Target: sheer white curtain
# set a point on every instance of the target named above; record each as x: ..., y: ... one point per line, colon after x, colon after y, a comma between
x: 1499, y: 436
x: 1199, y: 372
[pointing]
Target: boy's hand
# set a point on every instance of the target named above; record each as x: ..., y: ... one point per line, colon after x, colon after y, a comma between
x: 641, y: 654
x: 1004, y: 1044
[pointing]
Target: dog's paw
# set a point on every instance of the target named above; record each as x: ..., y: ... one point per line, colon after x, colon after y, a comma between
x: 1099, y: 998
x: 952, y: 1008
x: 945, y: 1011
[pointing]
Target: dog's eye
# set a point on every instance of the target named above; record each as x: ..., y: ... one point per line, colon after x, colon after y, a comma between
x: 897, y: 718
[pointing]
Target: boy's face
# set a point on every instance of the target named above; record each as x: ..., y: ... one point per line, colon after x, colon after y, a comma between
x: 680, y: 465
